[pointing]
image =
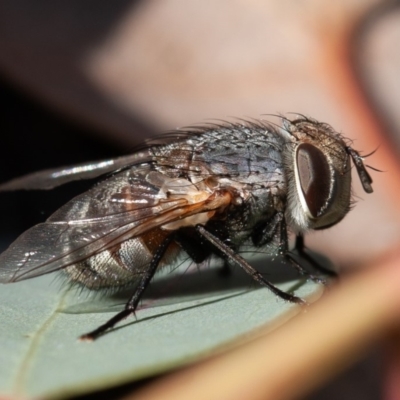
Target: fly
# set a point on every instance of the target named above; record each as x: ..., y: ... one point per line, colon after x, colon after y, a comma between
x: 205, y: 191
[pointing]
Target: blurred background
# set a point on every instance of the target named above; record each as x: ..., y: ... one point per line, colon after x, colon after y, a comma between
x: 89, y: 80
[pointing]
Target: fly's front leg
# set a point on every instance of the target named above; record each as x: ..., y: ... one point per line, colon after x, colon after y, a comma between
x: 284, y: 251
x: 301, y: 249
x: 230, y: 256
x: 133, y: 302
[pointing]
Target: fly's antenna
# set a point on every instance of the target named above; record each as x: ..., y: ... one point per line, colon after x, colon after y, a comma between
x: 363, y: 174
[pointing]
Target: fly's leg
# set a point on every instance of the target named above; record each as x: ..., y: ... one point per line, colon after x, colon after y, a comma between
x: 266, y: 231
x: 232, y: 258
x: 189, y: 240
x: 301, y: 249
x: 284, y: 251
x: 276, y: 228
x: 133, y: 302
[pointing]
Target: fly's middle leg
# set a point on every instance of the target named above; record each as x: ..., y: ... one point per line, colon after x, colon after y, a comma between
x: 233, y: 258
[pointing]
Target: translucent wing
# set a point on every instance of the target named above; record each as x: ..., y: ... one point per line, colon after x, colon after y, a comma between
x: 124, y: 206
x: 51, y: 178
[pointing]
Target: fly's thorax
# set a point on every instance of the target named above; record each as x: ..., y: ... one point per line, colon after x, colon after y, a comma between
x: 318, y: 174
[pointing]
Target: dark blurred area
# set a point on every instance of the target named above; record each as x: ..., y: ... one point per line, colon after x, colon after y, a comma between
x: 35, y: 137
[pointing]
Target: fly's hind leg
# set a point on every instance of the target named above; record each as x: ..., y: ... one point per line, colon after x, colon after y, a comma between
x: 232, y: 258
x: 133, y: 302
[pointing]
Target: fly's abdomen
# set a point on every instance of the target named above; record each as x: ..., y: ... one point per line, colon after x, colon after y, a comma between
x: 121, y: 265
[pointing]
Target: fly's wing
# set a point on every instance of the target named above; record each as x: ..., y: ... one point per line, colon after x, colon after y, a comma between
x: 124, y: 206
x: 51, y: 178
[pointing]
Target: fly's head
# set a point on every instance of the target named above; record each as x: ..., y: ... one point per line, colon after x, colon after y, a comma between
x: 318, y: 169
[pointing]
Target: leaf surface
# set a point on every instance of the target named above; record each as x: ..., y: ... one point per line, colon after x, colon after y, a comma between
x: 184, y: 317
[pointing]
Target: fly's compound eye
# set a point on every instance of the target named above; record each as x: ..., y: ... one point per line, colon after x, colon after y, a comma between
x: 313, y: 177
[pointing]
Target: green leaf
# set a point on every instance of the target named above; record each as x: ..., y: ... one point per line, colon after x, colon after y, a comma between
x: 186, y: 317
